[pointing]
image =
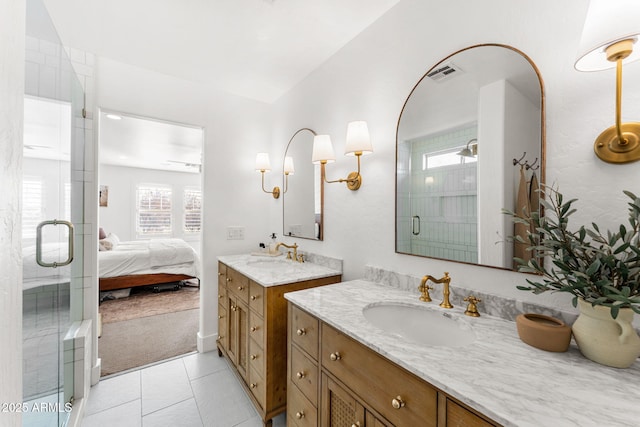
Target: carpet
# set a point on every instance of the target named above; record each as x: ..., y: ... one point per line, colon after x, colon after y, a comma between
x: 147, y: 329
x: 143, y: 302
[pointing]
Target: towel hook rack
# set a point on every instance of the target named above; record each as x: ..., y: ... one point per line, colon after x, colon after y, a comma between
x: 519, y: 161
x: 532, y: 165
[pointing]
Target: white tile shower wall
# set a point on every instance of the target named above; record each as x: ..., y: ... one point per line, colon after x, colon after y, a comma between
x: 444, y: 198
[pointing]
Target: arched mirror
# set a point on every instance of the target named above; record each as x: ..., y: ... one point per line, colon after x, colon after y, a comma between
x: 470, y: 141
x: 302, y: 200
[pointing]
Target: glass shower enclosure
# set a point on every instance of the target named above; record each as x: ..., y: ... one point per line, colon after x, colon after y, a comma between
x: 53, y: 201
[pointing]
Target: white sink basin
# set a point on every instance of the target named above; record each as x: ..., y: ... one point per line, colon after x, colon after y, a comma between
x: 419, y: 324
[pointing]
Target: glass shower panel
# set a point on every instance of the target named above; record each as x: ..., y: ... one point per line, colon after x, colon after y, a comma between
x: 53, y: 166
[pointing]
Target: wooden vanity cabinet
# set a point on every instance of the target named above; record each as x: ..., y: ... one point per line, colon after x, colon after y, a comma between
x: 252, y: 334
x: 335, y: 381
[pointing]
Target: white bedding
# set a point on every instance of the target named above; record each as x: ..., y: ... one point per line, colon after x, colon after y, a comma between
x: 174, y: 256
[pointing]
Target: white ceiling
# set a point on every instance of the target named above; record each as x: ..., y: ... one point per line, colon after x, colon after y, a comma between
x: 151, y: 144
x: 258, y: 49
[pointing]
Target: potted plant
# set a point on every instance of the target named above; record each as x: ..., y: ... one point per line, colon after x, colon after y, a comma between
x: 600, y: 269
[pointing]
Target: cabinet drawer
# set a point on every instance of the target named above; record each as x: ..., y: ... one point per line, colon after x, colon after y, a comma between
x: 256, y: 328
x: 459, y: 416
x: 222, y: 269
x: 304, y: 374
x: 304, y: 331
x: 378, y: 381
x: 238, y: 284
x: 222, y: 292
x: 257, y: 387
x: 300, y: 411
x: 256, y: 357
x: 256, y: 297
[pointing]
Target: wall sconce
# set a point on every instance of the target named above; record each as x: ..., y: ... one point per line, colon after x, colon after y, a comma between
x: 469, y: 151
x: 357, y: 144
x: 610, y: 31
x: 264, y: 165
x: 288, y: 170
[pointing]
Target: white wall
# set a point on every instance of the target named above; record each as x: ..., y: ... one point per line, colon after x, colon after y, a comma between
x: 119, y: 216
x: 12, y: 42
x: 235, y: 129
x: 370, y: 79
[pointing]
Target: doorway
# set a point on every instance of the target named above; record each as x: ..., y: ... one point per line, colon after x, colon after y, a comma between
x: 151, y: 197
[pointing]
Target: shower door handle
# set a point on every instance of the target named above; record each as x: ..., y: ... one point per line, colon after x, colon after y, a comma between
x: 39, y: 244
x: 415, y: 225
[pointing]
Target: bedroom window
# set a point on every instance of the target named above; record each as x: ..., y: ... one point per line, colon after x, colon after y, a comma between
x: 153, y: 215
x: 31, y: 205
x: 192, y: 210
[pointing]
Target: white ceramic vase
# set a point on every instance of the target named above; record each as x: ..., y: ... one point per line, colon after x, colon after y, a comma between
x: 605, y: 340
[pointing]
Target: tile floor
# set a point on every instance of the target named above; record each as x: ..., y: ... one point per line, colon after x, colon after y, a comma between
x: 198, y: 389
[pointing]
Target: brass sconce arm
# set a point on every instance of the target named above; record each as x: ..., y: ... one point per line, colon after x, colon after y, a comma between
x: 619, y: 143
x: 276, y: 190
x: 353, y: 180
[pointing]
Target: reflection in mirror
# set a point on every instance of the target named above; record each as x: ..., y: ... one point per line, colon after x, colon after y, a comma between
x: 302, y: 201
x: 460, y: 132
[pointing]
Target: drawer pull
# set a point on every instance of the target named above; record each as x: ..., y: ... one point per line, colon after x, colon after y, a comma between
x: 253, y: 297
x: 219, y: 296
x: 335, y: 356
x: 254, y: 357
x: 240, y: 288
x: 253, y: 385
x: 234, y: 308
x: 220, y: 338
x: 301, y: 332
x: 220, y: 317
x: 219, y: 274
x: 228, y: 279
x: 300, y: 415
x: 254, y: 328
x: 357, y: 424
x: 301, y: 375
x: 397, y: 403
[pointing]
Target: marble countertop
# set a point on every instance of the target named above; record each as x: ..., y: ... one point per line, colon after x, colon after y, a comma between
x: 499, y: 375
x: 274, y: 271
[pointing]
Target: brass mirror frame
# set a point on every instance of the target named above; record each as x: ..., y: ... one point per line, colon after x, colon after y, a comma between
x: 543, y: 135
x: 321, y: 226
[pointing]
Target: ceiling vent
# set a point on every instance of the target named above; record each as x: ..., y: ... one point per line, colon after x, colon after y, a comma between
x: 444, y: 72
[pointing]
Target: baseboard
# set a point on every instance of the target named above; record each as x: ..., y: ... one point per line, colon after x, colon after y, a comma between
x: 95, y: 372
x: 77, y: 413
x: 207, y: 343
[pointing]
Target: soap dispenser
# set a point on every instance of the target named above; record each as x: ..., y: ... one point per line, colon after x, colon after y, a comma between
x: 273, y: 244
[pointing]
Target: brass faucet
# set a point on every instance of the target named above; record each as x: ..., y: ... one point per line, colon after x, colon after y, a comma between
x: 424, y: 289
x: 294, y: 247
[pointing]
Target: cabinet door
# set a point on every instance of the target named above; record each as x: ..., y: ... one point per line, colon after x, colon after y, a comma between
x: 242, y: 351
x: 223, y: 319
x: 339, y: 407
x: 238, y: 333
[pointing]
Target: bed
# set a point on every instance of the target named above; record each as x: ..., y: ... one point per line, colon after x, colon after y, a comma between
x: 129, y: 264
x: 121, y: 265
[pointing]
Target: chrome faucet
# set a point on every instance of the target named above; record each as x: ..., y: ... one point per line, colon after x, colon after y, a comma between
x: 295, y: 250
x: 424, y: 289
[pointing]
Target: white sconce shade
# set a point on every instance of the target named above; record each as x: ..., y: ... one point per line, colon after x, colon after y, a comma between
x: 288, y: 166
x: 606, y: 23
x: 322, y: 150
x: 262, y: 162
x: 358, y: 140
